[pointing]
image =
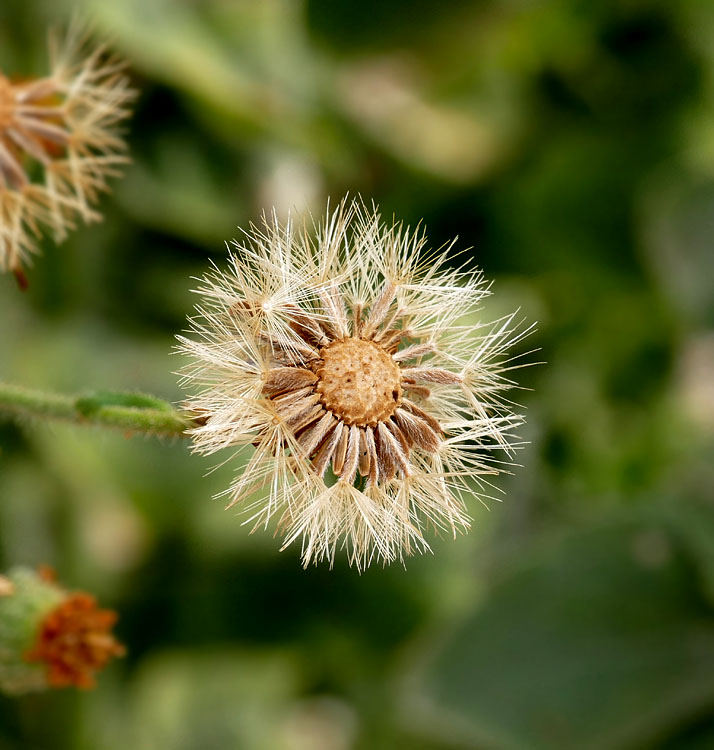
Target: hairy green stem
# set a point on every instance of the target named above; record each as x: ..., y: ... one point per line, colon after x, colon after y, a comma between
x: 126, y: 411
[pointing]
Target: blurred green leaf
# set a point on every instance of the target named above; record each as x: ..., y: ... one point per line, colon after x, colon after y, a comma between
x: 602, y: 639
x: 243, y: 701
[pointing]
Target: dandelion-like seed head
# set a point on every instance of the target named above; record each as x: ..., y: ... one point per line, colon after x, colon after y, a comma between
x: 59, y: 143
x: 346, y: 355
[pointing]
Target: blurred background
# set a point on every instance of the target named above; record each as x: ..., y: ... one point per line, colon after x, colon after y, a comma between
x: 571, y: 145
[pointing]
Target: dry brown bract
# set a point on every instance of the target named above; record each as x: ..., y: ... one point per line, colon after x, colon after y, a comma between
x: 58, y: 145
x: 354, y: 351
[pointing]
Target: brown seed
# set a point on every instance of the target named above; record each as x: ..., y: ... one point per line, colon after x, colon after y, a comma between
x: 373, y: 460
x: 392, y: 339
x: 380, y: 308
x: 364, y: 455
x: 349, y: 470
x: 414, y: 351
x: 296, y: 354
x: 417, y: 430
x: 385, y: 456
x: 357, y: 322
x: 338, y: 458
x: 282, y: 379
x: 414, y: 409
x: 387, y: 438
x: 333, y: 304
x: 414, y: 389
x: 400, y: 437
x: 290, y: 408
x: 326, y: 450
x: 431, y: 375
x: 284, y: 400
x: 306, y: 327
x: 310, y: 438
x: 302, y: 419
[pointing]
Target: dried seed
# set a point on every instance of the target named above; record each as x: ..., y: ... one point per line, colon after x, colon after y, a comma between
x: 326, y: 450
x: 282, y: 379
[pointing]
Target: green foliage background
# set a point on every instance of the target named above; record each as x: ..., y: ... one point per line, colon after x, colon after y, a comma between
x: 571, y: 143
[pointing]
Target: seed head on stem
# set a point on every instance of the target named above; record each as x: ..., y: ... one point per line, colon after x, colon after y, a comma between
x: 339, y: 353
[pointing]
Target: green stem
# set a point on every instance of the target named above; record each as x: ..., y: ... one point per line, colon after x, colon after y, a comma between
x: 126, y: 411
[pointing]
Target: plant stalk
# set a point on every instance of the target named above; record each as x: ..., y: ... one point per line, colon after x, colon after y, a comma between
x: 131, y: 412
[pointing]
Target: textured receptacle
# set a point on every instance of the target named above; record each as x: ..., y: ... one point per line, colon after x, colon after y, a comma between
x: 358, y: 382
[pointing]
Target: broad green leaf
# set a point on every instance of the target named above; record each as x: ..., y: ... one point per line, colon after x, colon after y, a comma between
x: 602, y: 640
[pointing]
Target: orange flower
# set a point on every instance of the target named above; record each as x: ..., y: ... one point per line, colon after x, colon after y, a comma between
x: 74, y: 641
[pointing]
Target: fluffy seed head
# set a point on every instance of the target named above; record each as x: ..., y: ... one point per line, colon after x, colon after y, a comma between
x: 59, y: 144
x: 347, y: 357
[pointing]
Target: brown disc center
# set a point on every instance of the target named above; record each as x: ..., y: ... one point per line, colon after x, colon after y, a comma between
x: 358, y: 382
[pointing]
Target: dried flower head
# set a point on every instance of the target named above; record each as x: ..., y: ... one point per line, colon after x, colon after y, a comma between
x: 74, y: 641
x: 58, y: 145
x: 50, y: 637
x: 346, y: 357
